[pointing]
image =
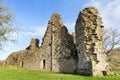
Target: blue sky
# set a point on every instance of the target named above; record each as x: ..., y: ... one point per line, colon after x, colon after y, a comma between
x: 32, y: 17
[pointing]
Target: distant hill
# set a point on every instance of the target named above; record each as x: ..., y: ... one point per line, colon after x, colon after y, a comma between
x: 1, y: 63
x: 114, y: 59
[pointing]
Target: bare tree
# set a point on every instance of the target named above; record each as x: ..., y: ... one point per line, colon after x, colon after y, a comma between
x: 111, y: 39
x: 6, y: 29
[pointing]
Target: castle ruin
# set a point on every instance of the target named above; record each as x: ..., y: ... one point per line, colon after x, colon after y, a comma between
x: 82, y: 52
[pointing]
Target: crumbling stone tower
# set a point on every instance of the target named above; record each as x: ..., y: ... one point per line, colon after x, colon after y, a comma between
x: 89, y: 29
x: 57, y: 47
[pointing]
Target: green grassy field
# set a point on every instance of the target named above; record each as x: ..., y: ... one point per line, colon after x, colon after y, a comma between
x: 15, y: 73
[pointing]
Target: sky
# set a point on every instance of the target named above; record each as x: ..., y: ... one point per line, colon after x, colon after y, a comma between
x: 32, y: 16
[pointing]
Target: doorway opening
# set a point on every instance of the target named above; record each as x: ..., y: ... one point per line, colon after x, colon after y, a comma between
x: 44, y: 63
x: 21, y: 64
x: 104, y: 73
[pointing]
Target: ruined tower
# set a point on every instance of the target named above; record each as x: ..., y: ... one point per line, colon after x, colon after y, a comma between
x: 33, y: 44
x: 89, y: 29
x: 59, y: 45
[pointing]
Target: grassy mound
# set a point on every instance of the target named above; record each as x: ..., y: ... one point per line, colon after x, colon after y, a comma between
x: 17, y: 73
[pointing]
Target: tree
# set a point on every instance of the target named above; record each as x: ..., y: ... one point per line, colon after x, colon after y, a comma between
x: 111, y: 39
x: 6, y: 29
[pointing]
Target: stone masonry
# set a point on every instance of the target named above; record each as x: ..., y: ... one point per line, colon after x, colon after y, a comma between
x: 82, y: 52
x: 92, y: 57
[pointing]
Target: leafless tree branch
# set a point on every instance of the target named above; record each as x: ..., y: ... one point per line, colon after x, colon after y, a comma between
x: 6, y: 29
x: 111, y: 39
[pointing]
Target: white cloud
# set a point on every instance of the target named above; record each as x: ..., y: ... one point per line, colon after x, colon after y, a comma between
x: 109, y: 10
x: 37, y: 30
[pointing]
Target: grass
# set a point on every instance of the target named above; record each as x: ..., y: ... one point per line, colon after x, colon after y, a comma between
x: 16, y: 73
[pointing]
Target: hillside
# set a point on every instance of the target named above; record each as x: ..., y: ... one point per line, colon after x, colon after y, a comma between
x: 114, y: 59
x: 1, y: 63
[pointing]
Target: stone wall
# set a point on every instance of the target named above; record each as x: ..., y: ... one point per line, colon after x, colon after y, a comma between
x: 61, y: 45
x: 89, y: 29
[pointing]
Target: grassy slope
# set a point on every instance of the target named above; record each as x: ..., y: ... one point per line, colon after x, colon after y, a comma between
x: 115, y: 59
x: 15, y: 73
